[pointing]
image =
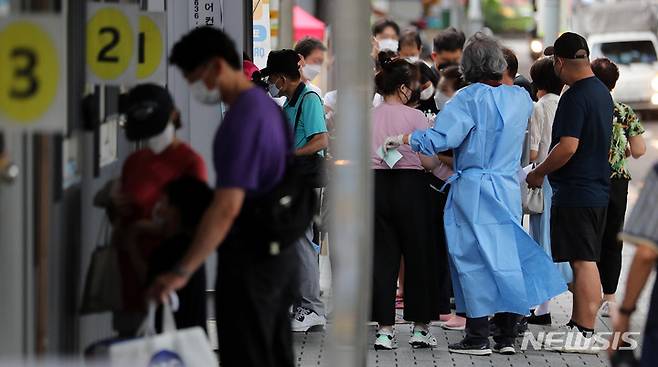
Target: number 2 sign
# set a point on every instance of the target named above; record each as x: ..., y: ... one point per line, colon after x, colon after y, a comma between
x: 33, y: 73
x: 111, y: 43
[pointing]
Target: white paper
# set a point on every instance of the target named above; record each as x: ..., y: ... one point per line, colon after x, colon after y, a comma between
x: 391, y: 158
x: 523, y: 173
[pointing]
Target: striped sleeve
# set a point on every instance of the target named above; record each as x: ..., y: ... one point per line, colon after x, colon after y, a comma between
x: 641, y: 227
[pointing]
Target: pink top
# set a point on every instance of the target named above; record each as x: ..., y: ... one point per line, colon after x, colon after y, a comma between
x: 392, y: 120
x: 442, y: 170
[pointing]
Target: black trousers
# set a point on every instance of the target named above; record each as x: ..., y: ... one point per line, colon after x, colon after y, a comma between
x: 403, y: 227
x: 438, y: 201
x: 254, y: 294
x: 477, y: 329
x: 610, y: 263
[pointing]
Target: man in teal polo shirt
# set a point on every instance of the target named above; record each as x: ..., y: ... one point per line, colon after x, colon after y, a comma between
x: 305, y: 113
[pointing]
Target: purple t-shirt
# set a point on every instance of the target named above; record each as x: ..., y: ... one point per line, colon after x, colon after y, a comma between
x: 251, y: 145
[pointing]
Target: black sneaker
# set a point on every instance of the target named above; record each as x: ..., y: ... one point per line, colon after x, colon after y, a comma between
x: 540, y: 320
x: 466, y: 346
x: 504, y: 348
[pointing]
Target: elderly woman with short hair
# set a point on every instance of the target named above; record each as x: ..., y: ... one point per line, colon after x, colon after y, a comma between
x: 497, y: 268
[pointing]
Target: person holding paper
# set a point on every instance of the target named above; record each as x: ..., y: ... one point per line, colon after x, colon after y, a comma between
x: 496, y: 267
x: 402, y: 212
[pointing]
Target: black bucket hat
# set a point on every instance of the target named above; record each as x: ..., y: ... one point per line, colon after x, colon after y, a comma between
x: 284, y: 61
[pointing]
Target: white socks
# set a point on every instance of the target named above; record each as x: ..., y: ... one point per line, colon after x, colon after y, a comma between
x: 542, y: 309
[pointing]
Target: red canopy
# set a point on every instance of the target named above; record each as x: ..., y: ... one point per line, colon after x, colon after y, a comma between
x: 306, y: 25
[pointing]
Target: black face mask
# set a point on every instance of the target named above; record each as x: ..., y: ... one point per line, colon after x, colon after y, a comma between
x: 414, y: 99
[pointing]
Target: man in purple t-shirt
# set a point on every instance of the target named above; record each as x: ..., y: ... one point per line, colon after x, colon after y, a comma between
x: 254, y: 292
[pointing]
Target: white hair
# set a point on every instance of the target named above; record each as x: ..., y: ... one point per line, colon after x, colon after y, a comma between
x: 483, y: 59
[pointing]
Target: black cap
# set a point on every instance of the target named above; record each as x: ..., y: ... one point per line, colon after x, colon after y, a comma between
x: 281, y: 61
x: 148, y: 109
x: 569, y: 46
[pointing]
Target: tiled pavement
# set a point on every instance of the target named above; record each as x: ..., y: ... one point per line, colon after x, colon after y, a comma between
x: 311, y: 349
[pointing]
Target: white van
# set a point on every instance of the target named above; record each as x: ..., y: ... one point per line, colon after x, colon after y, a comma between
x: 636, y: 56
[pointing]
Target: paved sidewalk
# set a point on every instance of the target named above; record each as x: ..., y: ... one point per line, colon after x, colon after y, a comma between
x: 311, y: 347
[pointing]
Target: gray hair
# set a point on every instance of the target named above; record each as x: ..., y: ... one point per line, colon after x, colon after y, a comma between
x: 483, y: 59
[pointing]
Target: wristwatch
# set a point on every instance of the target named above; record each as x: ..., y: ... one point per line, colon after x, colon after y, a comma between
x: 627, y: 311
x: 180, y: 271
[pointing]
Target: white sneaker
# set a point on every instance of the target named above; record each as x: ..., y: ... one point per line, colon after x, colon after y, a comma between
x: 305, y: 319
x: 573, y: 341
x: 584, y: 345
x: 385, y: 340
x: 422, y: 339
x: 608, y: 308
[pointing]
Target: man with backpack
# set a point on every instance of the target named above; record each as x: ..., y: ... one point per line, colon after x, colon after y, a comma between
x: 248, y: 221
x: 305, y: 112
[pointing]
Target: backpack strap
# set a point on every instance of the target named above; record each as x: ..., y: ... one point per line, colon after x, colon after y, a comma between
x: 298, y: 116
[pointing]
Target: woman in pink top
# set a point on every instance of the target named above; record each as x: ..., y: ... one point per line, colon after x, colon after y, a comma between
x: 403, y: 225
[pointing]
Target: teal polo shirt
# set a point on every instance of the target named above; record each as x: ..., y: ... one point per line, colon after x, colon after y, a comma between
x: 311, y: 121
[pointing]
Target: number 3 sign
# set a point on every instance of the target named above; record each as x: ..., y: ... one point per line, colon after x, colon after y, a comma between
x: 33, y: 73
x: 111, y: 43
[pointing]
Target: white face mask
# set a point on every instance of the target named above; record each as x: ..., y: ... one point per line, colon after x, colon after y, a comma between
x: 204, y: 95
x: 311, y: 71
x: 427, y: 93
x: 441, y: 99
x: 274, y: 90
x: 388, y: 45
x: 160, y: 142
x: 412, y: 59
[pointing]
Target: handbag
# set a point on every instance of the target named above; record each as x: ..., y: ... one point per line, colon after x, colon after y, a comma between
x: 102, y: 290
x: 312, y: 167
x: 173, y: 347
x: 532, y: 199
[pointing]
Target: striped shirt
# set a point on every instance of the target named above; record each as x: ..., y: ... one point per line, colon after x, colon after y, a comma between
x: 642, y: 225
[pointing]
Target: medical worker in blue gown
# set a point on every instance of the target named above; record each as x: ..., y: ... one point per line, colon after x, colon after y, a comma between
x: 497, y: 268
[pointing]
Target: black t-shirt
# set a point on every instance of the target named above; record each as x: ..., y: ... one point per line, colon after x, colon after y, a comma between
x: 192, y: 297
x: 584, y: 112
x: 428, y: 106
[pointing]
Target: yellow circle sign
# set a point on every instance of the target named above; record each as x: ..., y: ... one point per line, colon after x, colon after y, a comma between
x: 110, y: 43
x: 149, y: 47
x: 29, y: 75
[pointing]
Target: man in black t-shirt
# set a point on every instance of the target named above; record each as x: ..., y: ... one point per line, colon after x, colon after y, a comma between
x: 579, y: 174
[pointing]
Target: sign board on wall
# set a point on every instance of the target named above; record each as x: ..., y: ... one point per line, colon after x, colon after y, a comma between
x: 152, y: 47
x: 33, y: 73
x: 262, y: 33
x: 125, y: 46
x: 111, y: 43
x: 206, y: 13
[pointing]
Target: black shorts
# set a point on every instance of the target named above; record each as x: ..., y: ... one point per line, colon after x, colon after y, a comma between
x: 576, y: 233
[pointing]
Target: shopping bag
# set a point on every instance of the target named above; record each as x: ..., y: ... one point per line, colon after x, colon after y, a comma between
x: 532, y: 199
x: 186, y: 347
x: 102, y: 290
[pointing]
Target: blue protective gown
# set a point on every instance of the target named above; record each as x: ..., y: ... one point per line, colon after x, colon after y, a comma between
x: 495, y: 265
x: 540, y: 230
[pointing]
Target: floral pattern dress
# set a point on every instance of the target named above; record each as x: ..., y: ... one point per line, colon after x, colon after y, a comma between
x: 625, y: 125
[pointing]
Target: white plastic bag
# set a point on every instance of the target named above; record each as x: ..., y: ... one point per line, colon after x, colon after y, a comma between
x: 532, y: 199
x: 187, y: 347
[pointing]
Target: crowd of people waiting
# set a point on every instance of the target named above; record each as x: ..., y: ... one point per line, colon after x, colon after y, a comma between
x: 447, y: 152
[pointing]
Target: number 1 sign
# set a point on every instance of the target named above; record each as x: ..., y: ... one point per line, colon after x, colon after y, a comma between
x: 33, y: 73
x: 111, y: 43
